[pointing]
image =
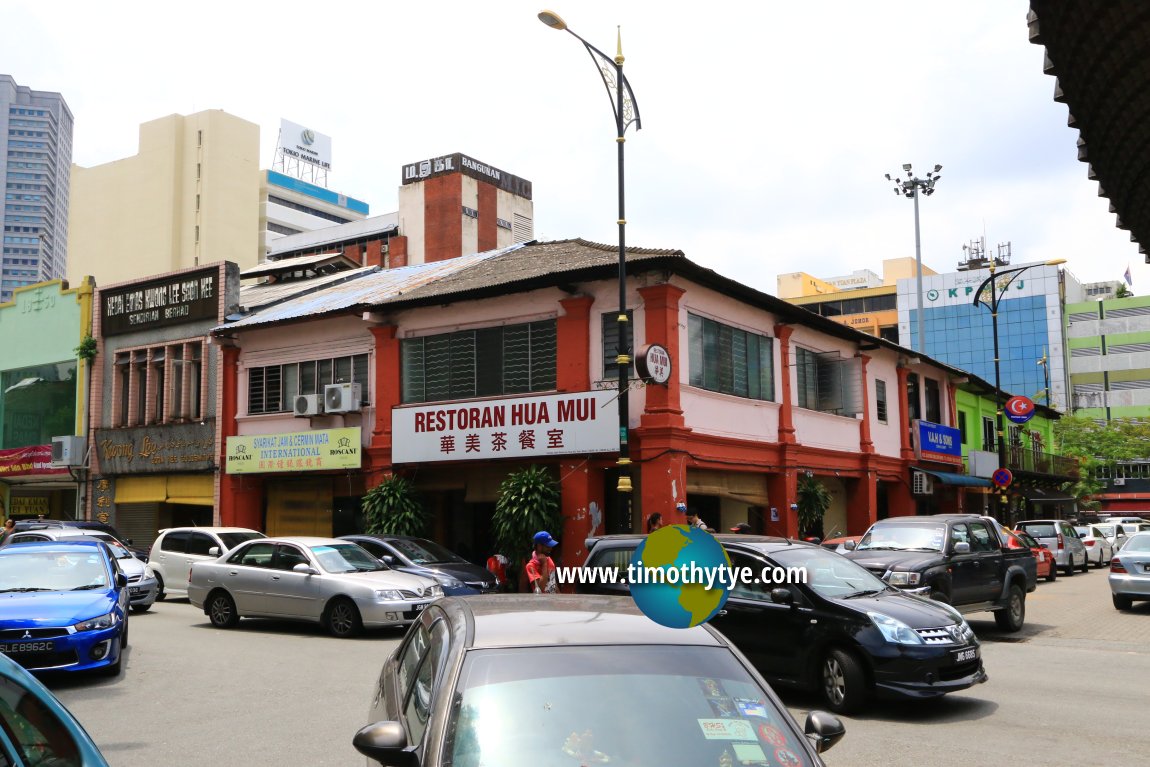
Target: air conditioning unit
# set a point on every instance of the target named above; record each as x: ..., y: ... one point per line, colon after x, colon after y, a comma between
x: 308, y: 404
x: 923, y: 484
x: 341, y: 398
x: 1118, y: 481
x: 68, y: 451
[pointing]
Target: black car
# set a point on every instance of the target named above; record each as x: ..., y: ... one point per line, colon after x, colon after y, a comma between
x: 84, y: 524
x: 513, y: 679
x: 419, y: 556
x: 843, y: 631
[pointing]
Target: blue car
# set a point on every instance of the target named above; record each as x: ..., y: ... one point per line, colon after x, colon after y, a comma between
x: 63, y: 606
x: 35, y: 728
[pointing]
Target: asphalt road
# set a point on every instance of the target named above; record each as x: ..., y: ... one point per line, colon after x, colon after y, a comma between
x: 1069, y: 689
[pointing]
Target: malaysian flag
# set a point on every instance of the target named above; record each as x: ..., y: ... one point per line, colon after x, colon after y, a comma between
x: 1129, y: 280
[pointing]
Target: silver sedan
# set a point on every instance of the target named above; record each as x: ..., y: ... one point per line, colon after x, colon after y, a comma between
x: 323, y: 580
x: 1130, y: 572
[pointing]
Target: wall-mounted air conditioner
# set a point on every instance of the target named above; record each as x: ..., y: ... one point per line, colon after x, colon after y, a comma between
x: 923, y: 484
x: 308, y: 404
x: 68, y: 451
x: 341, y: 398
x: 1118, y: 481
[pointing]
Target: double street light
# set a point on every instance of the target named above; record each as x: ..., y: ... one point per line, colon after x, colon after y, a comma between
x: 909, y: 187
x: 626, y: 112
x: 998, y: 283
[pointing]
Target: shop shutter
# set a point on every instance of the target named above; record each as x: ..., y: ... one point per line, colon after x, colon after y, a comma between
x: 138, y: 521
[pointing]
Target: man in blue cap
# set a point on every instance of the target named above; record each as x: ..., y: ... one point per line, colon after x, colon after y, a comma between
x: 540, y: 567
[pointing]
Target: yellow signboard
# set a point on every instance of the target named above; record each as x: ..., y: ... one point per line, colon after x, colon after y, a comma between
x: 317, y: 450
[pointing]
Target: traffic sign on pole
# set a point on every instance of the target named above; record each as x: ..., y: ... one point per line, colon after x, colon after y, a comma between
x: 1002, y: 478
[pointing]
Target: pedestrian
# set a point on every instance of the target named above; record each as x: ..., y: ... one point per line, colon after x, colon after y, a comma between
x: 742, y: 528
x: 9, y: 528
x: 497, y: 566
x: 693, y: 518
x: 654, y: 522
x: 540, y: 567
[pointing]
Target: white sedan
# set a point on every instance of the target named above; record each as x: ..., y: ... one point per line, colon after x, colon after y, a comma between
x: 1099, y: 547
x: 323, y: 580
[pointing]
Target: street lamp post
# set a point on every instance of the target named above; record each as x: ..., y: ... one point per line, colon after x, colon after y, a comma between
x: 909, y: 187
x: 999, y: 282
x: 626, y: 111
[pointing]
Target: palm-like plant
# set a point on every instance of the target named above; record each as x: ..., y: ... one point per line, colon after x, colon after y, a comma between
x: 528, y: 502
x: 392, y: 508
x: 813, y: 501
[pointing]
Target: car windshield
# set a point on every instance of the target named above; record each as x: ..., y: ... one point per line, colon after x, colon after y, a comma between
x: 1039, y: 529
x: 425, y: 552
x: 1106, y: 530
x: 903, y: 538
x: 1025, y: 538
x: 345, y: 558
x: 685, y: 705
x: 24, y: 570
x: 231, y: 540
x: 1139, y: 542
x: 119, y: 552
x: 1083, y: 532
x: 828, y: 574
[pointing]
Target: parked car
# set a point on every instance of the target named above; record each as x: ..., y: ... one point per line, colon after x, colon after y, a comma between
x: 176, y: 549
x: 464, y: 690
x: 841, y: 544
x: 1125, y: 530
x: 40, y: 730
x: 1043, y: 559
x: 1099, y: 550
x: 1058, y: 535
x: 323, y: 580
x: 1130, y: 572
x: 63, y: 606
x: 141, y: 579
x: 843, y: 632
x: 86, y: 524
x: 960, y: 559
x: 419, y: 556
x: 1113, y: 534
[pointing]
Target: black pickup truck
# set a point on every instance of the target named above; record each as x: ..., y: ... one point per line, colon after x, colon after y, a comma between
x: 961, y: 559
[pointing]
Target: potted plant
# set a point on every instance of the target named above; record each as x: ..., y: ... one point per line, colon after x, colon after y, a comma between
x: 528, y: 502
x: 392, y: 508
x: 813, y: 501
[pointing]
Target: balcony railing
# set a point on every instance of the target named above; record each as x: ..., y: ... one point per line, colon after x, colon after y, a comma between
x: 1020, y: 458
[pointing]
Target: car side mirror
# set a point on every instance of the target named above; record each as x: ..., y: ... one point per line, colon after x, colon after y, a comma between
x: 386, y: 743
x: 387, y: 559
x: 962, y: 547
x: 849, y: 545
x: 305, y: 568
x: 781, y: 596
x: 121, y: 581
x: 214, y: 551
x: 824, y: 730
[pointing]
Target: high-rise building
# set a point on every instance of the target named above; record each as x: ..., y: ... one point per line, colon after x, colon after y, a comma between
x: 35, y: 157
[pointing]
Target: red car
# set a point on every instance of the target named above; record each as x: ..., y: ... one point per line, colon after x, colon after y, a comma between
x: 1018, y: 539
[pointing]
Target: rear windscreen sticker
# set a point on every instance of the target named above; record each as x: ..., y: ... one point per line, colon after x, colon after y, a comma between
x: 772, y: 735
x: 723, y: 707
x: 726, y: 729
x: 751, y: 707
x: 749, y: 753
x: 786, y: 758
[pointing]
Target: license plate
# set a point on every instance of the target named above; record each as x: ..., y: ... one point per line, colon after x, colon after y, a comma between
x: 134, y: 590
x: 419, y: 608
x: 8, y: 649
x: 1146, y: 567
x: 962, y: 656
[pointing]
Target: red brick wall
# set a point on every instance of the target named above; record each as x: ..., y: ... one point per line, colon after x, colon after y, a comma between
x: 488, y: 208
x: 442, y: 216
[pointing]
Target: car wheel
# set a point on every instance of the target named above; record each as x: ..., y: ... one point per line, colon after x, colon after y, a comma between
x: 1121, y: 602
x: 843, y: 682
x: 343, y: 619
x: 1070, y: 567
x: 222, y: 611
x: 160, y: 595
x: 1011, y: 617
x: 114, y: 669
x: 141, y: 608
x: 1085, y: 563
x: 1053, y: 573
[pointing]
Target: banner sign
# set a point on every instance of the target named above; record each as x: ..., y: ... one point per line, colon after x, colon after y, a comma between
x: 938, y: 443
x: 159, y: 303
x: 157, y: 449
x: 317, y: 450
x: 23, y: 461
x: 520, y: 427
x: 461, y: 163
x: 305, y: 144
x: 28, y: 506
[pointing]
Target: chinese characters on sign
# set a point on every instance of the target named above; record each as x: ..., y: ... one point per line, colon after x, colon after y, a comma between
x: 296, y: 451
x: 152, y: 449
x: 554, y: 424
x: 103, y: 495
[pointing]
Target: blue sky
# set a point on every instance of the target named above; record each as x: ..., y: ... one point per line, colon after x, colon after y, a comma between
x: 767, y: 126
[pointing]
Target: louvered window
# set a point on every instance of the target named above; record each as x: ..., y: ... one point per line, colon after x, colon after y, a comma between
x: 1134, y: 311
x: 274, y: 388
x: 1085, y: 351
x: 1127, y: 348
x: 513, y: 359
x: 829, y: 382
x: 729, y: 360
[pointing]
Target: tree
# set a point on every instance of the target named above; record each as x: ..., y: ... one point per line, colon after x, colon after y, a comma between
x: 392, y: 508
x: 1123, y: 292
x: 528, y: 502
x: 1097, y: 446
x: 814, y: 500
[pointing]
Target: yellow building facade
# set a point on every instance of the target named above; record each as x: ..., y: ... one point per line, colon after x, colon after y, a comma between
x: 190, y: 196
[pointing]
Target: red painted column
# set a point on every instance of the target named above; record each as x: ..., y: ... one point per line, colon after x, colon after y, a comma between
x: 387, y: 396
x: 573, y: 343
x: 862, y: 503
x: 906, y: 451
x: 786, y: 416
x: 952, y: 402
x: 782, y: 490
x: 661, y: 326
x: 581, y: 488
x: 865, y: 443
x: 443, y: 217
x: 239, y: 501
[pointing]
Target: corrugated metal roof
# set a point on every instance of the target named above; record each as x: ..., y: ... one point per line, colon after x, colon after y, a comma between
x: 367, y: 290
x: 299, y: 262
x: 255, y: 297
x: 336, y: 233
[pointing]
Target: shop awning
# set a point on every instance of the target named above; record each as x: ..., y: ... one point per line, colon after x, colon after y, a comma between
x: 1042, y: 495
x: 194, y: 489
x: 958, y: 480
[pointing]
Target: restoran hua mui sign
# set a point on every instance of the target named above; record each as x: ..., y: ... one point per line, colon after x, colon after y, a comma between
x: 520, y: 427
x: 317, y: 450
